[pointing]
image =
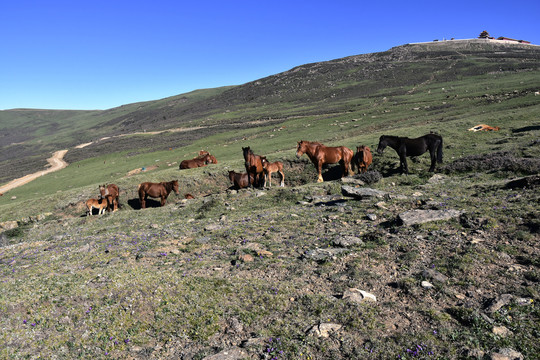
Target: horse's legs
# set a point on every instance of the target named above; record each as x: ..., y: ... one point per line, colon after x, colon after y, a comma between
x: 269, y: 179
x: 266, y: 178
x: 282, y: 174
x: 319, y: 171
x: 403, y: 164
x: 433, y: 160
x: 142, y: 200
x: 163, y: 201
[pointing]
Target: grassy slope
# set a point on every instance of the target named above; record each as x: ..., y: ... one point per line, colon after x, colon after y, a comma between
x: 168, y: 282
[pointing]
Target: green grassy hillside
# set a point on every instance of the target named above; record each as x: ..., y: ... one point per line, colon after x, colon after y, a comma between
x: 253, y: 272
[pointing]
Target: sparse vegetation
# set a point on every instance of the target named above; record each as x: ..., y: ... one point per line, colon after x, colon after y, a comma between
x: 255, y: 270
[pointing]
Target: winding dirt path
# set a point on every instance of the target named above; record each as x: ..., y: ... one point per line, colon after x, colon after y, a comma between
x: 56, y: 161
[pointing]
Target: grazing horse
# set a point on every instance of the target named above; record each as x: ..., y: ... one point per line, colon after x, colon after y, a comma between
x: 362, y: 159
x: 110, y: 192
x: 270, y: 168
x: 254, y: 166
x: 413, y: 147
x: 199, y: 161
x: 92, y: 204
x: 240, y: 180
x: 320, y: 154
x: 156, y: 190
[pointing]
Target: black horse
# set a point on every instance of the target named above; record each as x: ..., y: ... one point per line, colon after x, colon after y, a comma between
x: 413, y: 147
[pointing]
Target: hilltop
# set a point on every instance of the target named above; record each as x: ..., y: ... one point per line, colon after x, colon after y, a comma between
x: 380, y: 265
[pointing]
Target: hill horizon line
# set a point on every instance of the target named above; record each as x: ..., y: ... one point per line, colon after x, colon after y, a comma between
x: 436, y: 42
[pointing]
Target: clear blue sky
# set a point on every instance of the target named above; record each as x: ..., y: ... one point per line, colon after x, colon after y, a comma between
x: 78, y: 54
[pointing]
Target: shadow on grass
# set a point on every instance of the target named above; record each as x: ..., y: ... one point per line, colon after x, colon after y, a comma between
x: 135, y: 204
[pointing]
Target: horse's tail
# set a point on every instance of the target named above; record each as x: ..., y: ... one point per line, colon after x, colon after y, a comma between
x: 440, y: 151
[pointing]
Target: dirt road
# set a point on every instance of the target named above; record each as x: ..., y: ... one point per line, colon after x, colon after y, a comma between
x: 56, y: 161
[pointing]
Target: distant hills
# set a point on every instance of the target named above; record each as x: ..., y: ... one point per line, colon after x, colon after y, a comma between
x: 29, y: 136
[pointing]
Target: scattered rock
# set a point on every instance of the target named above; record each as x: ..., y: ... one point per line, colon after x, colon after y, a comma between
x: 359, y: 296
x: 253, y: 343
x: 233, y: 353
x: 371, y: 217
x: 475, y: 354
x: 8, y: 225
x: 426, y: 284
x: 203, y: 240
x: 347, y: 241
x: 413, y: 217
x: 362, y: 193
x: 264, y: 253
x: 246, y: 258
x: 234, y: 326
x: 324, y: 329
x: 323, y: 254
x: 524, y: 301
x: 437, y: 179
x: 434, y: 275
x: 352, y: 180
x: 498, y: 303
x: 502, y: 331
x: 212, y: 227
x: 507, y: 354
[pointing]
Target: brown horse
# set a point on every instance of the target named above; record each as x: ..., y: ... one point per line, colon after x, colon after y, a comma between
x: 362, y: 159
x: 254, y: 166
x: 156, y: 190
x: 213, y: 159
x: 240, y: 180
x: 110, y: 192
x: 320, y: 155
x: 199, y: 161
x: 270, y: 168
x: 91, y: 204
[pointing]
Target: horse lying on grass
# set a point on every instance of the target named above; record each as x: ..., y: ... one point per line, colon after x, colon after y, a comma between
x: 199, y: 161
x: 240, y: 180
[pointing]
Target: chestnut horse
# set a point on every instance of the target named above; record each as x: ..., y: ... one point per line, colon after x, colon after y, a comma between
x: 110, y: 192
x: 92, y: 204
x: 270, y: 168
x: 362, y: 159
x: 199, y: 161
x: 156, y: 190
x: 240, y: 180
x: 413, y: 147
x: 254, y: 166
x: 320, y: 155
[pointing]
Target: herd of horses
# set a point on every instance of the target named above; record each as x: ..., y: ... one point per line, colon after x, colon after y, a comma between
x: 259, y: 170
